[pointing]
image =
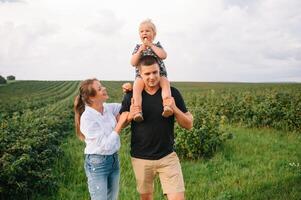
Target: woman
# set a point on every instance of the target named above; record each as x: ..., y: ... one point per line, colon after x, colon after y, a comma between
x: 96, y: 123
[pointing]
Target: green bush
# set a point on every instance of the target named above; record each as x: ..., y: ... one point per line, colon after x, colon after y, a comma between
x: 204, y: 139
x: 278, y: 107
x: 11, y: 77
x: 2, y: 80
x: 29, y: 143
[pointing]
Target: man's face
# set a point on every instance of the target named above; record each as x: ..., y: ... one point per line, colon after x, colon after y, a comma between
x: 150, y: 75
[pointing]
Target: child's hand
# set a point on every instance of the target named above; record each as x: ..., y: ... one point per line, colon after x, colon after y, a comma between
x: 142, y: 48
x: 147, y: 43
x: 126, y: 87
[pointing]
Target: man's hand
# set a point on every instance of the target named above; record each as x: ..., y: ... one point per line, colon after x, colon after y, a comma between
x: 170, y: 101
x: 185, y: 120
x: 133, y: 111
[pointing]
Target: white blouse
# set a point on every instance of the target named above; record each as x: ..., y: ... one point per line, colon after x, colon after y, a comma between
x: 98, y: 129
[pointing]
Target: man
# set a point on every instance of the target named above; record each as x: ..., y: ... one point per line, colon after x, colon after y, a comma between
x: 152, y: 139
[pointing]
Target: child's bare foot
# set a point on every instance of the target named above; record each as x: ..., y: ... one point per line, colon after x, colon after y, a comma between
x: 167, y: 111
x: 138, y: 117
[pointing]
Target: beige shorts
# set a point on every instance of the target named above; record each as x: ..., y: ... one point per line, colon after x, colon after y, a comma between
x: 169, y: 170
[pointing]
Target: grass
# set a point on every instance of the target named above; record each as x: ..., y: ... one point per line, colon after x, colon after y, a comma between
x: 255, y: 164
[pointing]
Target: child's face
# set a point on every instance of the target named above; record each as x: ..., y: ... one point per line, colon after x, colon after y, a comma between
x: 146, y: 32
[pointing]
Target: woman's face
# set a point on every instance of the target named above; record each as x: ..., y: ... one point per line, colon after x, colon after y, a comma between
x: 101, y: 92
x: 146, y: 32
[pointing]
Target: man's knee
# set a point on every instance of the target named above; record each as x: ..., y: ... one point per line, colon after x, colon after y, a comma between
x: 176, y: 196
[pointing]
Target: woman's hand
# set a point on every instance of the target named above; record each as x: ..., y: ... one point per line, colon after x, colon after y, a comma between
x: 127, y: 87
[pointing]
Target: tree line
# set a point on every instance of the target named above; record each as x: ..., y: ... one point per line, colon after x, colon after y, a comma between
x: 8, y: 78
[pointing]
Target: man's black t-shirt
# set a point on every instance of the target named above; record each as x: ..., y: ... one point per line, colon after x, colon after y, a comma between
x: 153, y: 138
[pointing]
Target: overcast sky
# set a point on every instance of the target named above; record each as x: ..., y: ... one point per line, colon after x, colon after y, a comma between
x: 206, y: 40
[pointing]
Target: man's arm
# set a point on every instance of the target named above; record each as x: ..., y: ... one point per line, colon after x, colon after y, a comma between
x: 182, y: 115
x: 185, y: 120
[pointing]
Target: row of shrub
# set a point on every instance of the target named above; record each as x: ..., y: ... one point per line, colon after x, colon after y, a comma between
x: 32, y: 95
x: 265, y: 108
x: 30, y: 143
x: 276, y: 107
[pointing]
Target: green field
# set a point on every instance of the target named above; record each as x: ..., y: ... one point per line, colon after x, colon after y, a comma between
x: 261, y: 161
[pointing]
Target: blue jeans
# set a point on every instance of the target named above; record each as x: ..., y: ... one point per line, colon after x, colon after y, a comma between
x: 103, y: 176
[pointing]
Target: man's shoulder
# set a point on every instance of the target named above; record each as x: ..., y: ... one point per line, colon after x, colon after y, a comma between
x: 174, y: 91
x: 128, y: 96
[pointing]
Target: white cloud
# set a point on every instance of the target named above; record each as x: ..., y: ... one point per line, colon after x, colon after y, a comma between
x: 107, y: 23
x: 220, y: 40
x: 10, y: 1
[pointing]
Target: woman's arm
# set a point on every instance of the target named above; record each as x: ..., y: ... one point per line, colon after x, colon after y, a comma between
x: 122, y: 122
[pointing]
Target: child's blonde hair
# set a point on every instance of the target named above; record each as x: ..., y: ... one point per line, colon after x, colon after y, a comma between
x: 150, y: 23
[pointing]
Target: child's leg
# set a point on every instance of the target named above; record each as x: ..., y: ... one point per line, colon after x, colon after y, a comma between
x: 166, y: 93
x: 165, y: 86
x: 137, y: 91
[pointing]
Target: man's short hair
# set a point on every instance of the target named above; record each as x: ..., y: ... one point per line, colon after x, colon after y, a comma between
x: 147, y: 61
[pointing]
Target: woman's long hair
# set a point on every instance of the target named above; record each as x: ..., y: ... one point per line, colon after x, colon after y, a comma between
x: 85, y: 92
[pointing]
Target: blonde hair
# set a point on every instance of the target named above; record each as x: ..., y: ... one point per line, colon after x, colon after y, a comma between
x: 150, y: 23
x: 85, y: 92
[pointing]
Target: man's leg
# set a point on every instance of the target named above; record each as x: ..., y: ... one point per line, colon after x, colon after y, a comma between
x: 176, y: 196
x: 171, y: 177
x: 148, y: 196
x: 144, y: 173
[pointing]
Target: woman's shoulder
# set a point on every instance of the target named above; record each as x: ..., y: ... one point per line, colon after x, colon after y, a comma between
x: 111, y: 106
x: 87, y: 117
x: 107, y: 105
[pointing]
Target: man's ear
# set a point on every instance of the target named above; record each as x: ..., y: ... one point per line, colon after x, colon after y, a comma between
x: 139, y: 69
